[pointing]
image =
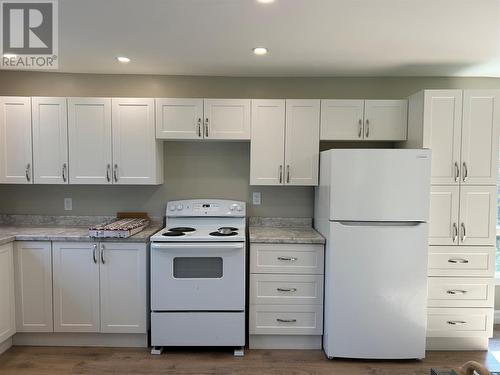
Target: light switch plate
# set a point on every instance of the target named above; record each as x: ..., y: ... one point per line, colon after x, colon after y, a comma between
x: 68, y: 204
x: 256, y: 198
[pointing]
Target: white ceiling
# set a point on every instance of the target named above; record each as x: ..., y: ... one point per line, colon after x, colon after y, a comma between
x: 304, y: 37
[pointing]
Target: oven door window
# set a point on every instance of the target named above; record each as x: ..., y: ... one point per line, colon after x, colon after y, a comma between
x: 198, y: 267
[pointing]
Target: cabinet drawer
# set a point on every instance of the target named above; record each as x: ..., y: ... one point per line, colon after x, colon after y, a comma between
x: 286, y: 319
x: 461, y: 261
x: 459, y: 322
x: 460, y: 292
x: 286, y: 258
x: 286, y: 289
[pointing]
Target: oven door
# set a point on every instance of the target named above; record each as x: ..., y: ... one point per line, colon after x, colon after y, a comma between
x: 198, y: 276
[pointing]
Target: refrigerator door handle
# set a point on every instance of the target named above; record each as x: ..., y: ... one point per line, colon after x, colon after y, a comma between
x: 380, y: 223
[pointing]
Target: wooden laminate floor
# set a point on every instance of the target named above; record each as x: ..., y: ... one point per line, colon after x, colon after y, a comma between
x: 78, y: 360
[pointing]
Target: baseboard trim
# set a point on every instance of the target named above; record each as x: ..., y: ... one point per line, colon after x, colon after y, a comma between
x: 4, y: 346
x: 285, y: 341
x: 120, y: 340
x: 497, y: 317
x: 457, y: 343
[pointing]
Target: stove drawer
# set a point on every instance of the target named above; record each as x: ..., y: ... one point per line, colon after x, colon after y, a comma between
x: 286, y: 319
x: 287, y: 258
x: 286, y: 289
x: 460, y: 292
x: 198, y: 329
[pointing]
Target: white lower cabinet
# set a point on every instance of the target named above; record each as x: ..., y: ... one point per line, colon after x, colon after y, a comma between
x: 286, y: 296
x: 33, y: 279
x: 7, y: 304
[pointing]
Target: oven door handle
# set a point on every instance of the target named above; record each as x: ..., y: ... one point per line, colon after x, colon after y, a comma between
x: 220, y: 246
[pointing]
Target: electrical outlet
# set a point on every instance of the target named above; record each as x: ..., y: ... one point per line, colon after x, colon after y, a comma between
x: 256, y: 198
x: 68, y: 204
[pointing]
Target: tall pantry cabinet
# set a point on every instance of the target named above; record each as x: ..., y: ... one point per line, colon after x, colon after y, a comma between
x: 461, y: 127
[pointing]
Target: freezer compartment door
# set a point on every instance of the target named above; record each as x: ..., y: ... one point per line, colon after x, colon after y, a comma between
x: 376, y: 290
x: 380, y: 185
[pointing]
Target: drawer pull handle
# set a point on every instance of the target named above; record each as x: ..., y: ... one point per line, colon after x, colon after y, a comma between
x: 458, y: 260
x: 286, y: 320
x: 456, y: 291
x: 456, y: 322
x: 289, y: 259
x: 286, y: 289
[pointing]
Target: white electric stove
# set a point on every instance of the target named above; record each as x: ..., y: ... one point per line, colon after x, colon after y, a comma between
x: 198, y: 275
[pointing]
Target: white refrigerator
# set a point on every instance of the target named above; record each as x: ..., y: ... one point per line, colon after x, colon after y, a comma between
x: 372, y: 206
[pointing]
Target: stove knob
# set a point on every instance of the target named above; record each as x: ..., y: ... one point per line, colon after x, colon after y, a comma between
x: 179, y: 207
x: 239, y: 208
x: 233, y: 207
x: 172, y: 207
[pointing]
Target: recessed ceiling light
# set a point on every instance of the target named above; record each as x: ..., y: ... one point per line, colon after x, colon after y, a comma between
x: 123, y: 59
x: 260, y: 50
x: 265, y: 1
x: 10, y: 55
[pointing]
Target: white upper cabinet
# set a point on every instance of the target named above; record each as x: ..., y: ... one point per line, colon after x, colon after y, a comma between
x: 7, y: 299
x: 90, y: 152
x: 123, y: 282
x: 443, y: 113
x: 302, y: 142
x: 478, y: 215
x: 179, y: 118
x: 285, y: 142
x: 480, y: 132
x: 137, y: 156
x: 16, y: 164
x: 50, y: 140
x: 33, y: 271
x: 386, y: 120
x: 227, y: 119
x: 342, y: 119
x: 267, y: 147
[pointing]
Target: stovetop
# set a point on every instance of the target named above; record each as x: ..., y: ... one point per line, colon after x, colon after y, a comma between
x: 208, y: 233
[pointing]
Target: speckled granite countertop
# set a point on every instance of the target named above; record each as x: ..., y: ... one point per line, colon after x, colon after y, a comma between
x: 33, y: 228
x: 283, y: 230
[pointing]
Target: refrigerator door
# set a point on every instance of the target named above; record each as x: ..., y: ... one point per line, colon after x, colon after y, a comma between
x: 379, y: 185
x: 376, y: 290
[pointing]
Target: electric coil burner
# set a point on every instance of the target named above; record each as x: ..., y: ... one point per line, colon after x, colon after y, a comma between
x: 198, y: 276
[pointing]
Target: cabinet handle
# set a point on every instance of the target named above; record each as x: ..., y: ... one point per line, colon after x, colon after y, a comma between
x: 286, y: 289
x: 280, y: 171
x: 455, y: 232
x: 206, y: 127
x: 456, y: 322
x: 94, y: 253
x: 289, y: 259
x: 456, y: 291
x: 466, y: 172
x: 108, y: 171
x: 28, y: 172
x: 64, y: 169
x: 458, y: 260
x: 464, y: 233
x: 199, y: 127
x: 115, y: 172
x: 102, y: 254
x: 367, y: 134
x: 287, y: 174
x: 286, y: 320
x: 360, y: 128
x: 457, y: 172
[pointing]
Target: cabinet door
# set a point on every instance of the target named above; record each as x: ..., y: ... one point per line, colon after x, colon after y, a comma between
x: 76, y: 286
x: 302, y: 142
x: 227, y: 118
x: 386, y: 120
x: 15, y: 141
x: 341, y: 120
x: 7, y: 305
x: 480, y: 132
x: 123, y: 288
x: 443, y: 221
x: 267, y: 147
x: 50, y: 140
x: 443, y: 118
x: 179, y: 118
x: 137, y: 156
x: 478, y: 206
x: 33, y: 271
x: 89, y: 126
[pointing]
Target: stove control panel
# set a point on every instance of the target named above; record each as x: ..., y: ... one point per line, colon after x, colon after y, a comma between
x: 201, y: 207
